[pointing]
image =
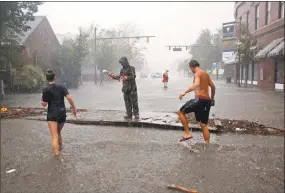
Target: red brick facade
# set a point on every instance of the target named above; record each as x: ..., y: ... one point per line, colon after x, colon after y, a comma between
x: 265, y: 33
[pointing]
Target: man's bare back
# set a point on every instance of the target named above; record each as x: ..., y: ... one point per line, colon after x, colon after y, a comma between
x: 202, y: 91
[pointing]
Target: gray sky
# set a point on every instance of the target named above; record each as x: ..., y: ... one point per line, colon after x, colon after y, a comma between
x: 170, y: 22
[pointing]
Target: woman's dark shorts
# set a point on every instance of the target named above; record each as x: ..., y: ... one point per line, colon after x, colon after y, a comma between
x: 57, y: 115
x: 201, y: 108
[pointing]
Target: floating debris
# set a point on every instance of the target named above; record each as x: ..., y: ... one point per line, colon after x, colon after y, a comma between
x: 10, y: 171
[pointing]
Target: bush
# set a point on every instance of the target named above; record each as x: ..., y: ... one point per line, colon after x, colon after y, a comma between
x: 29, y: 78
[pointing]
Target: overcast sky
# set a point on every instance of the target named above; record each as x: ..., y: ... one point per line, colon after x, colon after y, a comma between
x: 171, y: 22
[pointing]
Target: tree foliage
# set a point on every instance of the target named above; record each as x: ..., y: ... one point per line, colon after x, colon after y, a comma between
x: 13, y: 18
x: 29, y: 78
x: 68, y: 61
x: 245, y: 41
x: 13, y: 22
x: 208, y: 48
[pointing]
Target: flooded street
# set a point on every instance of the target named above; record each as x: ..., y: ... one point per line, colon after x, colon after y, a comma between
x: 264, y: 107
x: 115, y: 159
x: 128, y: 81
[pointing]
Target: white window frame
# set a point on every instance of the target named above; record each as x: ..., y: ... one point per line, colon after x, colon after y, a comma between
x: 281, y: 9
x: 256, y: 18
x: 267, y: 13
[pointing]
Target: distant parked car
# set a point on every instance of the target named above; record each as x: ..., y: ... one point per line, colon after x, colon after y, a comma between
x: 156, y: 75
x: 143, y: 75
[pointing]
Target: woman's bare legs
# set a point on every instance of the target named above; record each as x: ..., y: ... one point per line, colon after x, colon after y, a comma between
x: 53, y: 128
x: 60, y: 126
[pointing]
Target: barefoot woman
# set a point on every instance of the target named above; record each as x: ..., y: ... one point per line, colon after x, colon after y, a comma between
x: 53, y: 96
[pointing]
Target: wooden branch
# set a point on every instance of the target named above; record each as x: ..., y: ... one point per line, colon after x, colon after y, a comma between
x: 181, y: 188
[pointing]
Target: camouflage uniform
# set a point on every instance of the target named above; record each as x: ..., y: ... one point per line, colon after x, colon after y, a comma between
x: 129, y: 87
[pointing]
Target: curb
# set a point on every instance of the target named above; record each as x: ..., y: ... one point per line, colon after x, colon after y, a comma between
x: 132, y: 123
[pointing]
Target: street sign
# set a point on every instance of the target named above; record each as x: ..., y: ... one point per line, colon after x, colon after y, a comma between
x: 226, y: 43
x: 229, y: 31
x: 229, y: 56
x: 177, y: 49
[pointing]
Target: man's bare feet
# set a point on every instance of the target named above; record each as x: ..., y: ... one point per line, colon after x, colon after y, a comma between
x: 185, y: 138
x: 57, y: 154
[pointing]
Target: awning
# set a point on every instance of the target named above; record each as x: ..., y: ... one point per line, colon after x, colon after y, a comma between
x: 277, y: 49
x: 231, y: 62
x: 263, y: 53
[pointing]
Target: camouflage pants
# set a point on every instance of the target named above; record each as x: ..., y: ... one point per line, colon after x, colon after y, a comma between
x: 131, y: 103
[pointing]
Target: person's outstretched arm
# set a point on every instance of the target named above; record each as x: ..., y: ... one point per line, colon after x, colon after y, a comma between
x: 114, y: 76
x: 192, y: 87
x: 70, y: 100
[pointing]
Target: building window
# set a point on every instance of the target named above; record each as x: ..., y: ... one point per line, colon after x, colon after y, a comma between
x: 250, y: 72
x: 281, y: 9
x: 35, y: 58
x: 280, y: 72
x: 256, y: 17
x: 240, y: 26
x: 267, y: 14
x: 255, y: 71
x: 247, y: 20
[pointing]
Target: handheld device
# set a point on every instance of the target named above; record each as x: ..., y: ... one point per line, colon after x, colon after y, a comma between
x: 213, y: 102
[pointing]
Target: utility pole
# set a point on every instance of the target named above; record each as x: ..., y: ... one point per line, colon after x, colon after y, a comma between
x: 217, y: 71
x: 95, y: 64
x: 238, y: 68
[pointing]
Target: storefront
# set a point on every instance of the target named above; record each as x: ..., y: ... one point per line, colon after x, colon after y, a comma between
x: 271, y: 65
x: 278, y: 55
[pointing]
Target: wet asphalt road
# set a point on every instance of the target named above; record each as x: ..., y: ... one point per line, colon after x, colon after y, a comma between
x: 136, y: 160
x: 265, y: 107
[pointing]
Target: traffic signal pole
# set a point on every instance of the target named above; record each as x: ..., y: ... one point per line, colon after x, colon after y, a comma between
x: 112, y: 38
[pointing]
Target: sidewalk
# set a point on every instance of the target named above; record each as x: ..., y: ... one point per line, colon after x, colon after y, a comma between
x: 115, y: 118
x: 166, y: 121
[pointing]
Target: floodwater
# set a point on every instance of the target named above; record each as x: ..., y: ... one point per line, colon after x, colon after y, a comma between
x: 117, y: 159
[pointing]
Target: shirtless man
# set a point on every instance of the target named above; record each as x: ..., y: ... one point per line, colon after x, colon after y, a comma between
x: 201, y: 104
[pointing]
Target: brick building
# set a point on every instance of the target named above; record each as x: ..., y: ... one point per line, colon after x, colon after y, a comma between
x: 39, y: 43
x: 37, y: 46
x: 265, y: 21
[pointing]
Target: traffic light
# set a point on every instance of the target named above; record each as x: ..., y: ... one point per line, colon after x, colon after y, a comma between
x: 147, y: 40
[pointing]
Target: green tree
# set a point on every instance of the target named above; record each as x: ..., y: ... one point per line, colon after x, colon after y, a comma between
x: 208, y: 48
x: 245, y: 41
x: 28, y: 79
x: 13, y: 19
x: 70, y: 58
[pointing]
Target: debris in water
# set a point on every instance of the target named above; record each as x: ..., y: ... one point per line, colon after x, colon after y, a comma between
x: 217, y: 123
x: 181, y: 188
x: 3, y: 109
x: 10, y: 171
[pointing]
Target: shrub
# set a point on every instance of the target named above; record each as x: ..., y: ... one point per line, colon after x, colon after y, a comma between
x: 29, y: 78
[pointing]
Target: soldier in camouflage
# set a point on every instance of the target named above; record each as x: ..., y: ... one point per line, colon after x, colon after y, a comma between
x: 128, y: 78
